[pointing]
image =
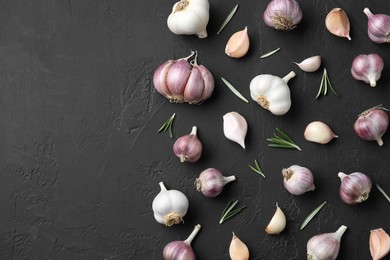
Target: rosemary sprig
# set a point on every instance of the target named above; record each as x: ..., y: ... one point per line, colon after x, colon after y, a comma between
x: 168, y: 126
x: 228, y: 18
x: 311, y: 215
x: 383, y: 193
x: 269, y: 53
x: 257, y: 169
x: 234, y: 90
x: 282, y: 140
x: 325, y: 83
x: 230, y: 211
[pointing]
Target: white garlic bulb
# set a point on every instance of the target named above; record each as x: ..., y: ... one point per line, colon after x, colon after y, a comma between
x: 235, y: 127
x: 272, y: 92
x: 189, y: 17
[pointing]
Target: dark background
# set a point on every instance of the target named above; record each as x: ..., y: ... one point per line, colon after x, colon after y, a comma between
x: 81, y: 159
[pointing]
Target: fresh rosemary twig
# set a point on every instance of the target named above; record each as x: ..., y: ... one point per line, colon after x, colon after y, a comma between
x: 229, y: 211
x: 234, y: 90
x: 325, y: 83
x: 282, y: 140
x: 228, y: 18
x: 383, y: 193
x: 257, y: 168
x: 269, y: 53
x: 168, y: 125
x: 311, y: 215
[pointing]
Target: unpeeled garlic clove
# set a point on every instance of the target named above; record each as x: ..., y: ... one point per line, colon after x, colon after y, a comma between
x: 337, y: 23
x: 238, y: 44
x: 379, y: 243
x: 277, y: 223
x: 319, y: 132
x: 235, y: 127
x: 310, y: 64
x: 237, y: 249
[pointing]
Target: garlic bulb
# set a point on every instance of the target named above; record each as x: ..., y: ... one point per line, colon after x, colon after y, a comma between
x: 277, y: 223
x: 282, y: 14
x: 319, y: 132
x: 325, y: 246
x: 235, y: 127
x: 367, y: 68
x: 378, y: 26
x: 181, y: 250
x: 211, y: 182
x: 238, y: 44
x: 237, y: 249
x: 379, y: 243
x: 272, y: 92
x: 188, y: 148
x: 310, y: 64
x: 169, y: 206
x: 355, y: 187
x: 189, y: 17
x: 183, y: 81
x: 298, y: 180
x: 337, y: 23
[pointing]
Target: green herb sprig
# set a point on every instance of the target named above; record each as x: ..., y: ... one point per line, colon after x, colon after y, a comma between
x: 257, y: 169
x: 234, y: 90
x: 282, y: 140
x: 230, y: 211
x: 168, y: 125
x: 228, y: 18
x: 325, y: 83
x: 266, y: 55
x: 383, y: 193
x: 312, y: 215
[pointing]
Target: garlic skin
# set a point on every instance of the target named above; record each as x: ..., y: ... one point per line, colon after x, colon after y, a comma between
x: 282, y: 14
x: 237, y: 249
x: 378, y: 27
x: 325, y: 246
x: 310, y: 64
x: 277, y: 223
x: 298, y: 180
x: 235, y: 128
x: 367, y: 68
x: 238, y: 44
x: 319, y: 132
x: 337, y: 23
x: 355, y: 187
x: 181, y: 250
x: 372, y: 124
x: 184, y: 81
x: 211, y: 182
x: 189, y: 17
x: 188, y: 148
x: 169, y: 206
x: 379, y: 243
x: 272, y: 92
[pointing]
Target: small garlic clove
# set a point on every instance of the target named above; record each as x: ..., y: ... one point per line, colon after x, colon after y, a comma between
x: 235, y: 127
x: 379, y: 243
x: 237, y: 249
x: 277, y: 223
x: 310, y: 64
x: 319, y: 132
x: 238, y: 44
x: 337, y: 23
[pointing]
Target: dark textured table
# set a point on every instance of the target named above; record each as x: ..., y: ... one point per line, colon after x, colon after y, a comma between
x: 81, y: 158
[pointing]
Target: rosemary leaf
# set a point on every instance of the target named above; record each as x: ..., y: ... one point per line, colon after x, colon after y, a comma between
x: 312, y: 215
x: 284, y: 135
x: 228, y: 18
x: 282, y: 146
x: 269, y: 53
x: 383, y: 193
x: 234, y: 90
x: 321, y: 86
x: 282, y: 141
x: 229, y: 211
x: 233, y: 213
x: 168, y: 125
x: 257, y: 169
x: 325, y: 83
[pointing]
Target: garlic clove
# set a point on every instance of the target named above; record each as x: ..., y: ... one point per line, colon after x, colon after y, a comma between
x: 277, y: 223
x: 235, y: 127
x: 319, y: 132
x: 237, y: 249
x: 238, y: 44
x: 310, y: 64
x: 337, y: 23
x: 379, y: 243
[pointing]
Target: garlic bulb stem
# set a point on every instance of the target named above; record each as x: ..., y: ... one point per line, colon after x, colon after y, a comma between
x: 192, y: 235
x: 289, y: 76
